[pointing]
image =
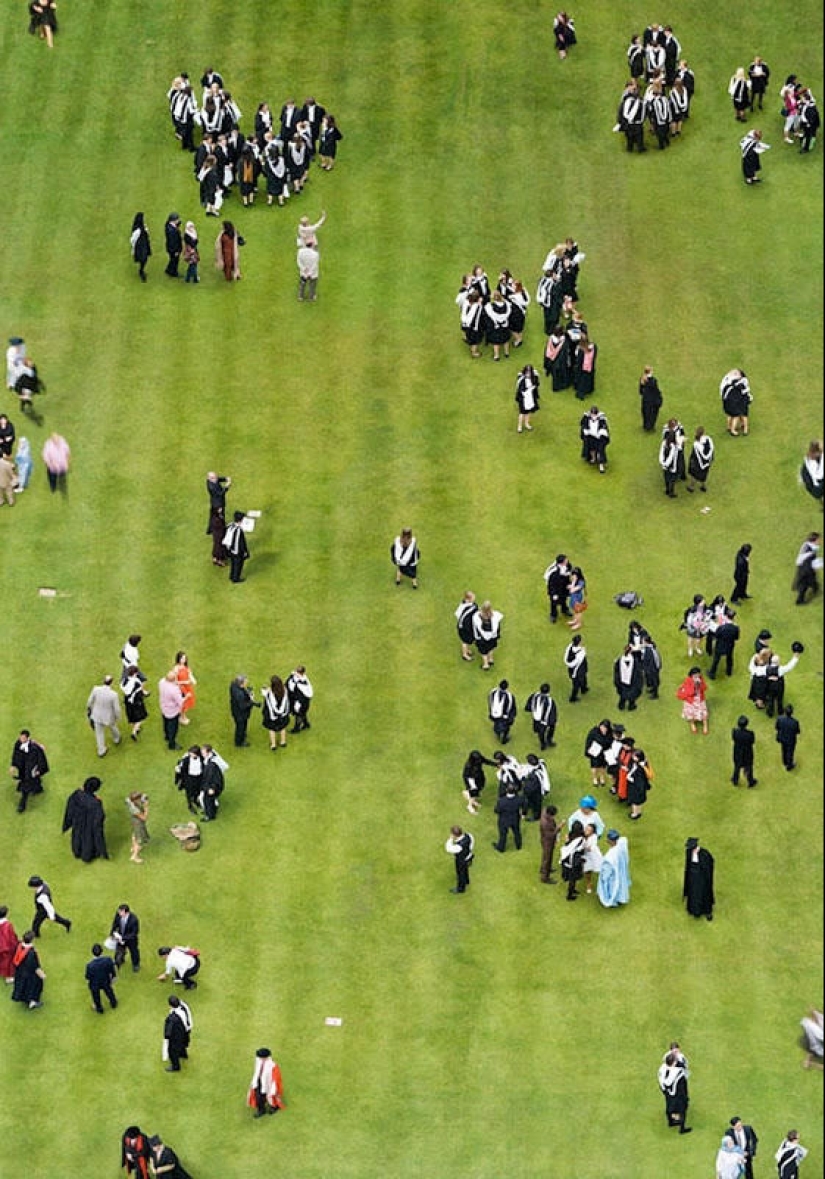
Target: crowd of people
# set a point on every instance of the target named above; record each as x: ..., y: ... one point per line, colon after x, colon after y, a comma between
x: 659, y: 91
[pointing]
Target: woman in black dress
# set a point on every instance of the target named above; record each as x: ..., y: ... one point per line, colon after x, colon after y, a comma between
x: 564, y: 34
x: 328, y: 141
x: 474, y: 780
x: 134, y: 694
x: 275, y: 712
x: 43, y: 20
x: 584, y: 368
x: 527, y: 396
x: 464, y: 612
x: 140, y: 245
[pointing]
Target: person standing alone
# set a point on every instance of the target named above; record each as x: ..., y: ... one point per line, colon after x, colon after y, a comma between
x: 744, y: 740
x: 460, y: 845
x: 309, y: 263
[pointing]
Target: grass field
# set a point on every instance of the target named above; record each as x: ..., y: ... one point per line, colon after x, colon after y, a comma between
x: 499, y: 1033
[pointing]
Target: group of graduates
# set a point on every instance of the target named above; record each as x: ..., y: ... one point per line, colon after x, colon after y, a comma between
x: 280, y: 149
x: 659, y: 91
x: 492, y: 316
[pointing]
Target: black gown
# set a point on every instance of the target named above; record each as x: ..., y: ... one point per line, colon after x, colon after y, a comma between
x: 28, y: 986
x: 85, y: 816
x: 698, y: 887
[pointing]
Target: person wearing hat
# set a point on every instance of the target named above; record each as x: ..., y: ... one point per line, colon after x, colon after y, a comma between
x: 762, y: 641
x: 164, y: 1161
x: 84, y: 816
x: 266, y: 1088
x: 744, y: 740
x: 745, y: 1139
x: 174, y: 244
x: 613, y: 887
x: 588, y: 812
x: 775, y: 673
x: 44, y: 909
x: 698, y: 884
x: 29, y: 765
x: 787, y: 731
x: 234, y: 542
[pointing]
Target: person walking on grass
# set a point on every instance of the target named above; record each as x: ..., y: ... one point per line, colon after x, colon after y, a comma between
x: 125, y: 932
x: 101, y: 972
x: 575, y: 660
x: 808, y: 562
x: 460, y: 846
x: 743, y: 740
x: 527, y: 396
x: 266, y: 1089
x: 135, y: 1152
x: 103, y: 711
x: 508, y: 809
x: 177, y: 1027
x: 549, y: 830
x: 134, y: 691
x: 405, y: 555
x: 29, y: 766
x: 137, y: 804
x: 787, y: 732
x: 29, y: 975
x: 164, y: 1161
x: 170, y: 703
x: 44, y: 909
x: 56, y: 456
x: 745, y: 1140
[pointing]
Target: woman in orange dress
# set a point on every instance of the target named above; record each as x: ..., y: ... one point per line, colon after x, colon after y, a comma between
x: 186, y: 683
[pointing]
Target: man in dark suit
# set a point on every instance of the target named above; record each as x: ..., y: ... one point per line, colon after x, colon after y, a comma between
x: 744, y: 740
x: 216, y: 488
x: 241, y: 705
x: 29, y: 766
x: 174, y: 244
x: 724, y: 642
x: 745, y: 1138
x: 101, y: 972
x: 508, y: 809
x: 125, y: 931
x: 542, y: 708
x: 557, y: 578
x: 234, y: 542
x: 787, y: 731
x: 176, y: 1033
x: 211, y: 783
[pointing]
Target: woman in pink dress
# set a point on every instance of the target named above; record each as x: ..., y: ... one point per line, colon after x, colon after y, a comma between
x: 186, y: 683
x: 692, y: 692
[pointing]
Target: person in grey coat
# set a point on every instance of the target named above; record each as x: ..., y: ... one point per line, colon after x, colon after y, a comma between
x: 103, y: 711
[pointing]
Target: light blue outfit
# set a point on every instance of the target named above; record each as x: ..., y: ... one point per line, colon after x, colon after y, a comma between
x: 730, y: 1160
x: 24, y: 463
x: 614, y: 877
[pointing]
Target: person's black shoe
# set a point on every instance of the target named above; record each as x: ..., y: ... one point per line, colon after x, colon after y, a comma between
x: 685, y: 1129
x: 495, y: 847
x: 456, y: 890
x: 68, y: 927
x: 709, y: 916
x: 171, y: 1069
x: 755, y: 782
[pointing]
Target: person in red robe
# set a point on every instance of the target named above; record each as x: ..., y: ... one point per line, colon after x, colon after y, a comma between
x: 266, y: 1088
x: 135, y: 1152
x: 8, y: 944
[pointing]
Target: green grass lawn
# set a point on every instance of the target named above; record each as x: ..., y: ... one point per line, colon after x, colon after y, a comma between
x: 499, y: 1033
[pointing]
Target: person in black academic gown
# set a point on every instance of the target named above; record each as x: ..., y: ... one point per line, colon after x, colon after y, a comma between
x: 165, y: 1161
x: 28, y: 975
x: 85, y: 817
x: 698, y: 885
x: 29, y: 765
